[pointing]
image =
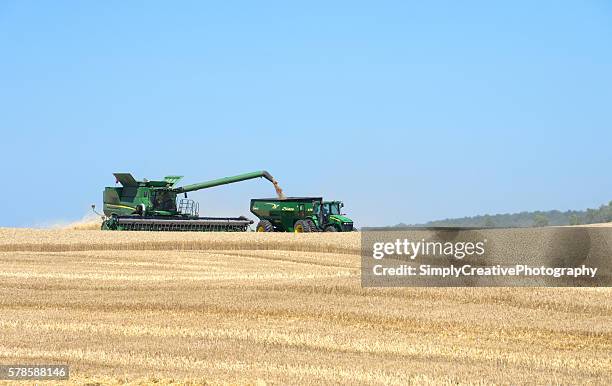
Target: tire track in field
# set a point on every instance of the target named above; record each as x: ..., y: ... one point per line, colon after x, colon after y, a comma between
x: 333, y: 283
x: 307, y: 262
x: 158, y: 361
x: 413, y: 350
x: 405, y: 323
x: 147, y: 277
x: 186, y: 245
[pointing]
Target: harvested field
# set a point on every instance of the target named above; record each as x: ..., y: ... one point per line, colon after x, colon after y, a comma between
x: 277, y: 308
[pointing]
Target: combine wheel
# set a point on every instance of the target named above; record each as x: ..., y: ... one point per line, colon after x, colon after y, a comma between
x: 330, y: 228
x: 300, y: 227
x: 265, y: 226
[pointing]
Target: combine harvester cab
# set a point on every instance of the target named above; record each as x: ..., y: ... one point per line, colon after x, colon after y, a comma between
x: 300, y: 214
x: 155, y: 206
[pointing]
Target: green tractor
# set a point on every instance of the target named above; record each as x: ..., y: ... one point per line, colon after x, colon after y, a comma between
x: 154, y: 206
x: 300, y: 214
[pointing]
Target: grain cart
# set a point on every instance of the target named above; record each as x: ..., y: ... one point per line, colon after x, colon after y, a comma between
x: 300, y: 214
x: 153, y: 205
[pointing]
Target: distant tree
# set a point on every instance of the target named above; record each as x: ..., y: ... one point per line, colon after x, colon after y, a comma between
x: 591, y: 216
x: 528, y: 219
x: 574, y: 220
x: 489, y: 223
x: 608, y: 212
x: 540, y: 220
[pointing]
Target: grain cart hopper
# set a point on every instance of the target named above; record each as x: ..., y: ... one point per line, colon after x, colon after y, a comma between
x: 152, y: 205
x: 300, y: 214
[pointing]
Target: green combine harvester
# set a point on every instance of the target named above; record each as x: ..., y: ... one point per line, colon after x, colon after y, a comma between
x: 153, y: 205
x: 300, y: 214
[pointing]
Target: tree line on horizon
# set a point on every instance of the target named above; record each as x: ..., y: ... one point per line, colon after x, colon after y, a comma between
x: 528, y: 219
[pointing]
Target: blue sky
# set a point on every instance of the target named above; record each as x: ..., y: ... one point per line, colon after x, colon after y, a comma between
x: 407, y: 111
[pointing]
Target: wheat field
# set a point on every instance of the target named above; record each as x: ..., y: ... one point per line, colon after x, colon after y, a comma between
x: 133, y: 307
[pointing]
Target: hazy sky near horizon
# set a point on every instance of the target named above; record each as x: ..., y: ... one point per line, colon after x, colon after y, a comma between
x: 407, y: 111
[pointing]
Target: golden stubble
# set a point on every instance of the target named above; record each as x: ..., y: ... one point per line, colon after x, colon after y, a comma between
x: 142, y: 307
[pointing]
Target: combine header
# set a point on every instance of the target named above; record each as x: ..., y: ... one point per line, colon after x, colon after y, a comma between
x: 153, y: 205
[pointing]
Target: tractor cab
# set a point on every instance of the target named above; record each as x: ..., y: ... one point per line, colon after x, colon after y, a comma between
x: 328, y: 208
x: 330, y: 217
x: 334, y: 207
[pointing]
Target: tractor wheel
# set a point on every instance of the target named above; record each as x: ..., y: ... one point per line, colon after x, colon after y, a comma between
x: 330, y: 228
x: 311, y: 225
x: 265, y: 226
x: 300, y: 227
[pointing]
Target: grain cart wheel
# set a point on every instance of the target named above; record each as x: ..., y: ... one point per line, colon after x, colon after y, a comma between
x: 311, y: 225
x: 299, y: 227
x: 330, y: 228
x: 265, y: 226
